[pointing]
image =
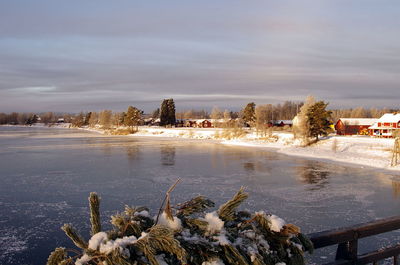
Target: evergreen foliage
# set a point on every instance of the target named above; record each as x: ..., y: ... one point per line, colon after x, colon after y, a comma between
x: 225, y: 237
x: 87, y: 118
x: 249, y: 113
x: 318, y: 119
x: 132, y: 117
x: 94, y: 203
x: 167, y: 113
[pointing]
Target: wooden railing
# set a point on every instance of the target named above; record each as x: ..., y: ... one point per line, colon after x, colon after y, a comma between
x: 347, y: 241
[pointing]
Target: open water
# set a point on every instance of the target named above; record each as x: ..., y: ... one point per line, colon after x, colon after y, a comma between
x: 46, y: 175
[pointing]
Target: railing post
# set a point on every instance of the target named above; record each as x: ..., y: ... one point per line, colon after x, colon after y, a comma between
x: 353, y: 249
x: 348, y: 250
x: 342, y: 251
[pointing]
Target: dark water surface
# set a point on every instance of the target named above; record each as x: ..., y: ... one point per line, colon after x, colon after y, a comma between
x: 47, y: 174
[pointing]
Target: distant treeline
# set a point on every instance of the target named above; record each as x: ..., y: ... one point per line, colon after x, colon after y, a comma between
x: 361, y: 112
x: 285, y: 111
x: 22, y: 118
x: 107, y: 118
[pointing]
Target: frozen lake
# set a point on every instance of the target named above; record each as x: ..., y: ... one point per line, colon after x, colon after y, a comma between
x: 46, y: 176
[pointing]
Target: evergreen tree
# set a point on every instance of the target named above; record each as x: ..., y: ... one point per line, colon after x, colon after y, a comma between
x: 318, y: 119
x: 33, y: 118
x: 167, y: 114
x: 171, y: 112
x: 164, y: 113
x: 87, y: 118
x: 249, y: 114
x: 132, y: 117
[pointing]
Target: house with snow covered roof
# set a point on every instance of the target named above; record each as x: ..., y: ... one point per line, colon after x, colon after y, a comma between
x: 353, y: 126
x: 386, y: 126
x: 281, y: 123
x: 203, y: 123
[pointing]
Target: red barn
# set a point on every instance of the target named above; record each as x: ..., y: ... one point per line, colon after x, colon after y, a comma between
x: 345, y: 126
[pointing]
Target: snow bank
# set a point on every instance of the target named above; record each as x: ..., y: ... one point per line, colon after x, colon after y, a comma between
x: 359, y: 150
x: 188, y: 133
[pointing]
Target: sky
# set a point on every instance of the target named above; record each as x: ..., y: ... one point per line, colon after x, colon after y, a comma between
x: 89, y: 55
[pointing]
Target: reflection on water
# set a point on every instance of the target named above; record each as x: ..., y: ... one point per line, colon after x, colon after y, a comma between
x: 248, y: 166
x: 313, y: 173
x: 167, y: 155
x: 132, y: 152
x: 396, y: 188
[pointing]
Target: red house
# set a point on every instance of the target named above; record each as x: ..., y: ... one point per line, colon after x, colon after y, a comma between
x: 345, y: 126
x: 386, y: 125
x: 203, y: 124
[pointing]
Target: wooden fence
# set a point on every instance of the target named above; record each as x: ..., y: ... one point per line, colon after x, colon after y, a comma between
x: 347, y: 241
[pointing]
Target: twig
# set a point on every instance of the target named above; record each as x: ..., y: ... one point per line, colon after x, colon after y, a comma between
x: 73, y: 250
x: 166, y: 197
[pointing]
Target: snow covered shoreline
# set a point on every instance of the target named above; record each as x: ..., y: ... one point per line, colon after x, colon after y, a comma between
x: 363, y: 151
x: 360, y: 151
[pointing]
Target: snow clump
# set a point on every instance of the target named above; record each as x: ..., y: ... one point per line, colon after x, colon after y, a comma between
x: 276, y: 222
x: 175, y: 225
x: 101, y: 243
x: 213, y: 262
x: 215, y: 224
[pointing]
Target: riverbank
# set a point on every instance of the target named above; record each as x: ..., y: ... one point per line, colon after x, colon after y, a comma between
x: 363, y: 151
x: 358, y: 150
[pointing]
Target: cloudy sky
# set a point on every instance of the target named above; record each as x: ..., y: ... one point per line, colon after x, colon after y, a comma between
x: 100, y: 54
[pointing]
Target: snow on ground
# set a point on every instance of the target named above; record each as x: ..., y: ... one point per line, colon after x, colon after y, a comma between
x: 359, y: 150
x: 190, y: 133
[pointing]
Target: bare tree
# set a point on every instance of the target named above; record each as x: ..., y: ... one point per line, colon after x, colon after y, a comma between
x: 105, y: 119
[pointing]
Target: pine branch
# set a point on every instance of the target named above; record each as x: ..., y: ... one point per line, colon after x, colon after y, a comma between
x: 227, y: 211
x: 94, y: 203
x: 75, y: 237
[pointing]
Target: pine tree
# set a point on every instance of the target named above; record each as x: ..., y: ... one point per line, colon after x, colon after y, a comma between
x: 167, y: 115
x: 171, y: 112
x: 318, y: 119
x: 249, y: 114
x: 87, y: 118
x: 164, y: 113
x: 132, y: 117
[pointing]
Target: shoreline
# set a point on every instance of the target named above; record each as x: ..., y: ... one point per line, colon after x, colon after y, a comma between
x: 356, y: 151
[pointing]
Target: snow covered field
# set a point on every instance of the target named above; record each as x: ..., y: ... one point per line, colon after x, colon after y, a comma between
x: 359, y: 150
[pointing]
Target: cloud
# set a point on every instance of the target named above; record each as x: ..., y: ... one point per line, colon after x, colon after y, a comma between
x: 76, y: 55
